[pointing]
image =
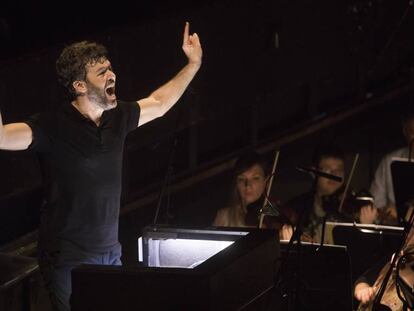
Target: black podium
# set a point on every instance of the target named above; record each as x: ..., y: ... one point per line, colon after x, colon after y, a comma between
x: 183, y: 269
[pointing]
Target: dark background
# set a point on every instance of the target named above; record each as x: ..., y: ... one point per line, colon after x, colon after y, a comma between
x: 272, y: 71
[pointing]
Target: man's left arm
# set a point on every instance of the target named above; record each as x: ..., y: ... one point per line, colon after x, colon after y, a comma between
x: 162, y: 99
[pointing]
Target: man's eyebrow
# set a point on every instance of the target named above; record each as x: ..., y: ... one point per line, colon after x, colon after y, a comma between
x: 100, y: 71
x: 104, y: 68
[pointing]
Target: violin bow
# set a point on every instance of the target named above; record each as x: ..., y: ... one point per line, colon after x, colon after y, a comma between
x: 351, y: 174
x: 269, y: 187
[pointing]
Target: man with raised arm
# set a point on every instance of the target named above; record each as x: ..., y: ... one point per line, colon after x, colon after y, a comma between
x: 82, y: 142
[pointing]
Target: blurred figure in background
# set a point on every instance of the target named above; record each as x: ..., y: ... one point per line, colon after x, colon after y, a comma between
x: 324, y: 197
x: 382, y: 187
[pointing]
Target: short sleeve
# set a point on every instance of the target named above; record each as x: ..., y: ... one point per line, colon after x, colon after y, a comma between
x: 39, y: 124
x: 381, y: 187
x: 133, y: 112
x: 378, y: 185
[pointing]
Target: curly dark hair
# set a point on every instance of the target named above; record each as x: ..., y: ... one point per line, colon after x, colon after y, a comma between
x: 71, y: 64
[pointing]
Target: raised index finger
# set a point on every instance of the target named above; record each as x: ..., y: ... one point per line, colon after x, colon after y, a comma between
x: 186, y: 31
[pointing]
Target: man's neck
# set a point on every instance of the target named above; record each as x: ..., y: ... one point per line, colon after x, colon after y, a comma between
x: 88, y: 109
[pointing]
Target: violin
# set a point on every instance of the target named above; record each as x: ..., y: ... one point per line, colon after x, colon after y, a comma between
x: 351, y: 206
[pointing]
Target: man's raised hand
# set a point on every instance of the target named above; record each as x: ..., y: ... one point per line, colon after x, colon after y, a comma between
x: 192, y: 46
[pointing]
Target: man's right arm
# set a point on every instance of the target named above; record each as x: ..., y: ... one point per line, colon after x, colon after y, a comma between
x: 15, y: 136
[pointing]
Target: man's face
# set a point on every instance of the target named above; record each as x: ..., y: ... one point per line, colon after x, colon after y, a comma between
x: 333, y: 166
x: 251, y: 184
x: 100, y: 83
x: 408, y: 130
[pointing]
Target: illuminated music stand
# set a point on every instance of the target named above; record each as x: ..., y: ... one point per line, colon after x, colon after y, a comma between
x: 402, y: 172
x: 174, y: 274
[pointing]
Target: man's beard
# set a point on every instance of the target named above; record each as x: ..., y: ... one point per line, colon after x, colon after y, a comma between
x: 98, y: 96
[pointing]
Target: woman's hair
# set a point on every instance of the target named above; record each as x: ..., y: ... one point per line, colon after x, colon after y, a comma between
x: 247, y: 160
x: 71, y: 64
x: 243, y: 163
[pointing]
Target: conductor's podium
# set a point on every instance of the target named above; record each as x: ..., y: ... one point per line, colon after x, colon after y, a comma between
x: 184, y: 269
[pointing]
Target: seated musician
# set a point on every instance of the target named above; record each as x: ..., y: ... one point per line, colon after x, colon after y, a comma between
x: 324, y: 197
x: 250, y: 175
x: 366, y: 287
x: 381, y: 187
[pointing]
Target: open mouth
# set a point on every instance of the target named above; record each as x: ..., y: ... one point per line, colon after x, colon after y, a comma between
x: 110, y: 91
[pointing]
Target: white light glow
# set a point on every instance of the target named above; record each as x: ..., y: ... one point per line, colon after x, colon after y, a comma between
x: 181, y: 253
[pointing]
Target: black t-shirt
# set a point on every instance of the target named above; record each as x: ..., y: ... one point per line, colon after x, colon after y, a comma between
x: 82, y: 174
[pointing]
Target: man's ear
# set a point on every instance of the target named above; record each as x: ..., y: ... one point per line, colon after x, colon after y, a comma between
x: 79, y: 87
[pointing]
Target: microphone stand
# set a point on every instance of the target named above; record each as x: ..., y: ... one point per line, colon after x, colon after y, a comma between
x: 345, y: 193
x: 319, y: 173
x: 297, y: 233
x: 323, y: 232
x: 168, y: 175
x: 166, y: 184
x: 292, y: 294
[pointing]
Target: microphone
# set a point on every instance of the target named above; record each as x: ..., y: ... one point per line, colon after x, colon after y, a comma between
x: 315, y: 172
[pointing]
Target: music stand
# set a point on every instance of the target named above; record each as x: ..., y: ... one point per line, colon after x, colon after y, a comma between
x: 366, y: 243
x: 402, y: 172
x: 320, y: 277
